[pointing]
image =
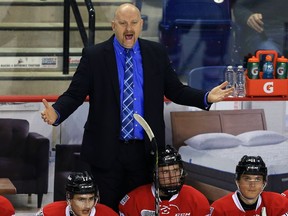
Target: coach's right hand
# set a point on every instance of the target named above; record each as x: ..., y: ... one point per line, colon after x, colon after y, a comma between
x: 49, y: 115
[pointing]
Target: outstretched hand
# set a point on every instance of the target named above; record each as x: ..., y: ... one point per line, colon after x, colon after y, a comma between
x: 219, y: 92
x: 49, y: 115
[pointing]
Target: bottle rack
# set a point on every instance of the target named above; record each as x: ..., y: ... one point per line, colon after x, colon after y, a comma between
x: 266, y: 87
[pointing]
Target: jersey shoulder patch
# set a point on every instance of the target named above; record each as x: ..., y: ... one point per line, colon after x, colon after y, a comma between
x: 124, y: 199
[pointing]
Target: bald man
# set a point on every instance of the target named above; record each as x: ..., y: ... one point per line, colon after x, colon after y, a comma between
x: 121, y: 162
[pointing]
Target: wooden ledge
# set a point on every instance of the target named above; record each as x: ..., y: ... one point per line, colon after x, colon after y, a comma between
x: 6, y: 186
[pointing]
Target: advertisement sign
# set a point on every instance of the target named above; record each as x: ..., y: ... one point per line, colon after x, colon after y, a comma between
x: 28, y: 62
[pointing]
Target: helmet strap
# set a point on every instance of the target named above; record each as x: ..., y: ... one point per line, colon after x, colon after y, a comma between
x: 71, y: 212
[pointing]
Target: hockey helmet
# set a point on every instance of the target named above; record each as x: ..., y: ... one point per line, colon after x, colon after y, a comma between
x: 80, y: 183
x: 251, y: 165
x: 169, y: 157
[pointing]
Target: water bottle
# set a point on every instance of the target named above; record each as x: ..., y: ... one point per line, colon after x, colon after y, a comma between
x: 268, y: 68
x: 229, y: 77
x: 240, y: 82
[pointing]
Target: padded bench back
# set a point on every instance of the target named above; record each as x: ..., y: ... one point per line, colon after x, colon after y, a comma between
x: 13, y: 136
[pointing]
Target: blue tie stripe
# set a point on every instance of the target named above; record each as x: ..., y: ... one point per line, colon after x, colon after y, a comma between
x: 127, y: 104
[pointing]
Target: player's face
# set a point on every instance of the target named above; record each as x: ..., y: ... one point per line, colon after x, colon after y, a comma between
x: 251, y: 186
x: 82, y: 204
x: 127, y: 25
x: 169, y: 175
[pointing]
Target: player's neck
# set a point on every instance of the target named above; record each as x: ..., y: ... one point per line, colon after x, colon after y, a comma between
x: 165, y: 197
x: 247, y: 204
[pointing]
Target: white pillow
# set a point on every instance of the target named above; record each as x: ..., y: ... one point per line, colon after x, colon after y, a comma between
x: 213, y: 141
x: 261, y: 137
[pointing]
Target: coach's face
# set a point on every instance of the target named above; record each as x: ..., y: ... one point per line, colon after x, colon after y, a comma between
x: 127, y: 25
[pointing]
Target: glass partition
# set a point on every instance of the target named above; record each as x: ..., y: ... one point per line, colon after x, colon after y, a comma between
x: 198, y: 34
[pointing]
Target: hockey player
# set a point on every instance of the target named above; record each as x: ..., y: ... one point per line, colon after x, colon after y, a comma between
x: 81, y: 199
x: 250, y: 199
x: 6, y: 207
x: 175, y: 198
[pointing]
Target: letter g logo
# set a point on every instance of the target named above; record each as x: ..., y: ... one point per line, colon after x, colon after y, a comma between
x: 268, y: 87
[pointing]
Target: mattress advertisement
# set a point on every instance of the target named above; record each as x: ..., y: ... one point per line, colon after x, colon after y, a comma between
x: 212, y: 144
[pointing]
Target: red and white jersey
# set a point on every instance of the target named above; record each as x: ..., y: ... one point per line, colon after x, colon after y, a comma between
x: 6, y: 207
x: 285, y: 194
x: 273, y: 203
x: 141, y: 202
x: 60, y: 208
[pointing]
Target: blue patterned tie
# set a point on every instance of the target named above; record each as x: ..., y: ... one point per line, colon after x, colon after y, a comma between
x: 127, y: 105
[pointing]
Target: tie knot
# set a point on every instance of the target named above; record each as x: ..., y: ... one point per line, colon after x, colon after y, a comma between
x: 127, y: 51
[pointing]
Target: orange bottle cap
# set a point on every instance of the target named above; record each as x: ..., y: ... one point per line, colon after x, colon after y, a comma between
x: 282, y: 59
x: 268, y: 58
x: 253, y: 59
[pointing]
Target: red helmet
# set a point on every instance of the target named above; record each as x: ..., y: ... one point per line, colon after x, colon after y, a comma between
x: 6, y: 208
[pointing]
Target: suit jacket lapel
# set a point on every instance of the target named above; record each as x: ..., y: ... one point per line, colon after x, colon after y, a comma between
x: 146, y: 63
x: 110, y: 58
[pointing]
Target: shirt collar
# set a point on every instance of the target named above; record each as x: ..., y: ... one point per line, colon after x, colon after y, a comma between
x: 120, y: 49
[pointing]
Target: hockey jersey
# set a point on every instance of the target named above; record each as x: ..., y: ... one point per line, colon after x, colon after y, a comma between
x: 141, y: 202
x: 60, y: 208
x: 270, y: 202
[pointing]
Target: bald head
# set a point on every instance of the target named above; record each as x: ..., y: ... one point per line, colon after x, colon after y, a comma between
x: 127, y: 24
x: 126, y: 8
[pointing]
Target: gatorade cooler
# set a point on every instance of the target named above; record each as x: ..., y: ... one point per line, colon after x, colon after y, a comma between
x: 266, y: 87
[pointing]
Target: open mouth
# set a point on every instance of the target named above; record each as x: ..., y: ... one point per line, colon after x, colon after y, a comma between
x: 128, y: 36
